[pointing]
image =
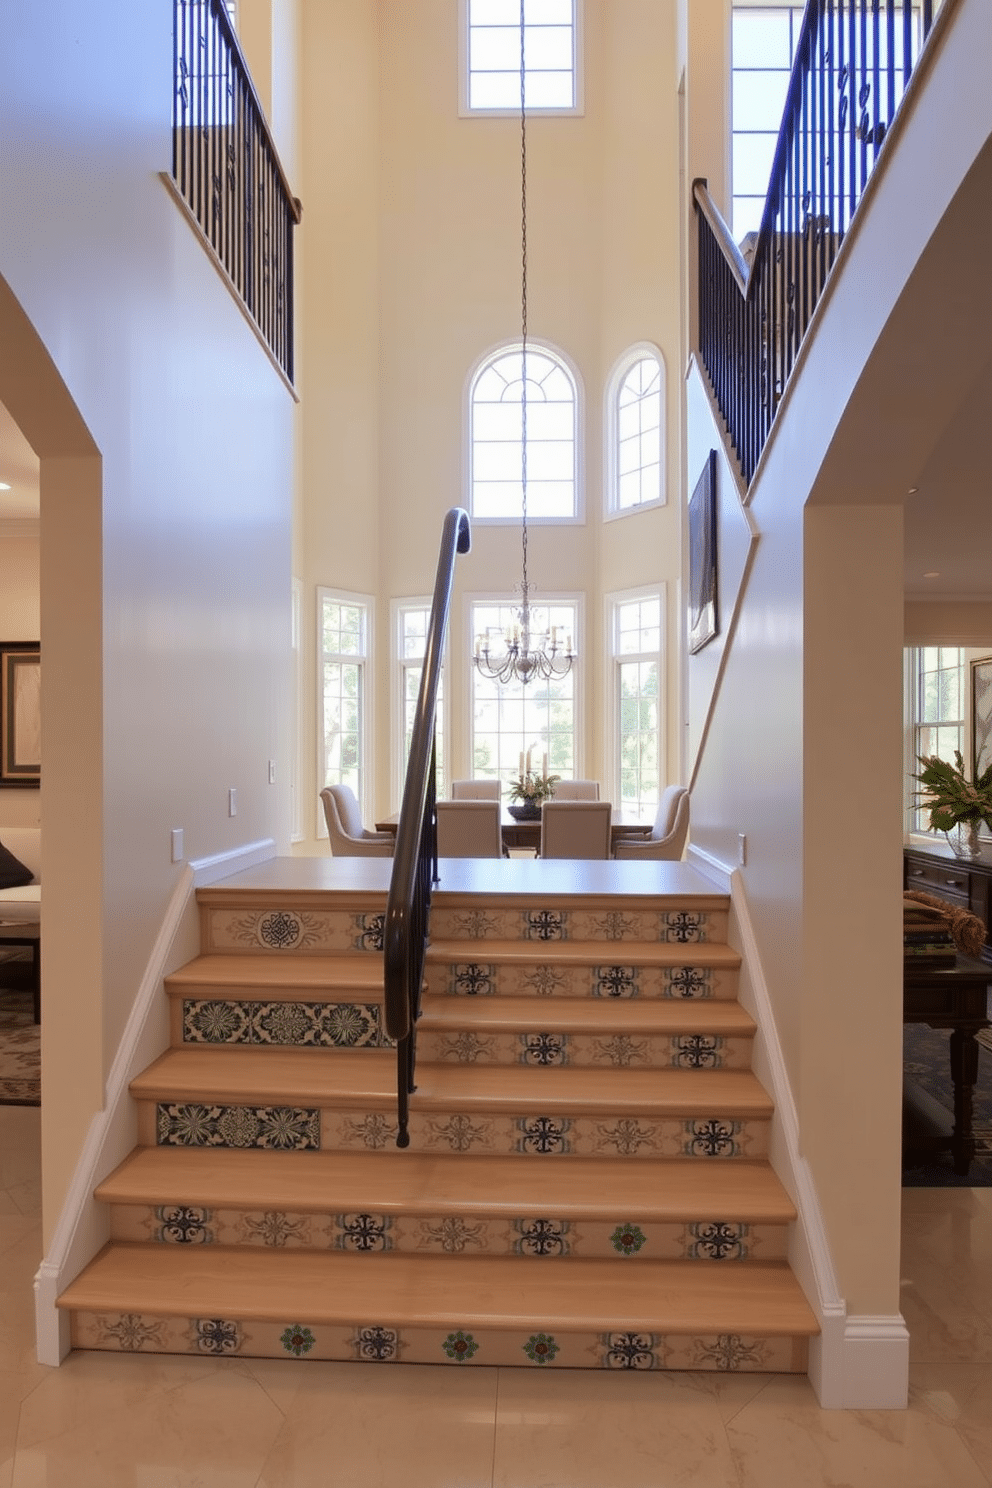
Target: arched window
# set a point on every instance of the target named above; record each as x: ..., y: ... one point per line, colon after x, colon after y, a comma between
x: 635, y: 441
x: 495, y: 404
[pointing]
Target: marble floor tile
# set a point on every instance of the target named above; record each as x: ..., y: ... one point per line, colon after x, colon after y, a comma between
x: 961, y: 1396
x: 783, y: 1440
x: 591, y: 1429
x: 382, y: 1426
x: 213, y: 1431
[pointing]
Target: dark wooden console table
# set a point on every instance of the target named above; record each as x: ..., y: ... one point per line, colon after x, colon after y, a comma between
x: 954, y: 997
x: 965, y: 883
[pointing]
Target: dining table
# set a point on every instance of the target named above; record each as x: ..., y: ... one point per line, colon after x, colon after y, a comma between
x: 520, y: 834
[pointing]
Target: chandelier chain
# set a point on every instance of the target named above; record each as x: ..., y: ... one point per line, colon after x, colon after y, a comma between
x: 525, y: 588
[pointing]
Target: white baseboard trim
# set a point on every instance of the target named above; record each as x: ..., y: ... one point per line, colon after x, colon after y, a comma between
x: 82, y: 1227
x: 857, y: 1362
x: 712, y: 867
x: 223, y: 865
x: 865, y: 1367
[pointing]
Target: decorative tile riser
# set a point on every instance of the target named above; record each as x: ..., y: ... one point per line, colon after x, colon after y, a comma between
x: 284, y: 932
x: 371, y: 1234
x: 619, y: 1050
x: 280, y: 1024
x: 668, y: 926
x: 301, y: 1128
x: 479, y: 978
x: 383, y: 1342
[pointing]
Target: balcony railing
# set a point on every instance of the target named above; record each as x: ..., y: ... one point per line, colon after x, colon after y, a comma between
x: 853, y: 62
x: 227, y: 171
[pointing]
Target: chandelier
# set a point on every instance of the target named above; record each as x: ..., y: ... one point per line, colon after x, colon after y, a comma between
x: 529, y: 652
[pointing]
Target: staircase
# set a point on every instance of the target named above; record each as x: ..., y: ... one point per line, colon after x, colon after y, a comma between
x: 586, y: 1184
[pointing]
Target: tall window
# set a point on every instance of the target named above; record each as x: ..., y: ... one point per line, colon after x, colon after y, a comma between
x: 411, y: 621
x: 343, y: 697
x: 764, y: 40
x: 635, y: 438
x: 493, y: 72
x: 512, y: 720
x: 637, y: 700
x: 495, y: 431
x: 937, y: 702
x: 764, y: 44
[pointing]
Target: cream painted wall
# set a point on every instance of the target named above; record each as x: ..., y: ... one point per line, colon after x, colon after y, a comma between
x: 412, y: 254
x: 165, y: 439
x: 817, y: 787
x: 20, y: 620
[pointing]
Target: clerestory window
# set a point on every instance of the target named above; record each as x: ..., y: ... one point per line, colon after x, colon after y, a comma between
x: 492, y: 56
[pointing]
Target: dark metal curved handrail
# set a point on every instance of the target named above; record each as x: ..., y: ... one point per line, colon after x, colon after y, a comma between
x: 847, y: 82
x: 415, y: 857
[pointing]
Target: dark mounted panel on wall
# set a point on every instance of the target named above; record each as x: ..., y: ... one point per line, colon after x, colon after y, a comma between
x: 20, y: 713
x: 703, y: 618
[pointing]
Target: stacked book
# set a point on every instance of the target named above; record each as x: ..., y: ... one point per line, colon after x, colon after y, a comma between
x: 926, y: 935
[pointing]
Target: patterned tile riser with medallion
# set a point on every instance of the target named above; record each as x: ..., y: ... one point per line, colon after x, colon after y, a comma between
x: 591, y: 1046
x: 373, y: 1234
x: 379, y: 1343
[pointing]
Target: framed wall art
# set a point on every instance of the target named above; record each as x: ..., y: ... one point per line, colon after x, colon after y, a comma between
x: 703, y: 616
x: 981, y: 716
x: 20, y: 713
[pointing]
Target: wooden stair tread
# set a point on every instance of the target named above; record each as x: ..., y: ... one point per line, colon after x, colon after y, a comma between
x: 443, y: 1291
x: 585, y: 1014
x: 311, y: 974
x: 393, y: 1182
x: 585, y: 952
x: 302, y: 1077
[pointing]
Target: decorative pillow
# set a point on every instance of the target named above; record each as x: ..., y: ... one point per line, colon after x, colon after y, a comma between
x: 13, y: 874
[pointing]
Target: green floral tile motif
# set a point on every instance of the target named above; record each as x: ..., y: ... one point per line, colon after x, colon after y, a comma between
x: 297, y: 1340
x: 628, y: 1239
x: 541, y: 1348
x: 460, y: 1346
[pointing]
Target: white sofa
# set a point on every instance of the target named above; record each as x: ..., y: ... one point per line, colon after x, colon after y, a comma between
x: 23, y: 905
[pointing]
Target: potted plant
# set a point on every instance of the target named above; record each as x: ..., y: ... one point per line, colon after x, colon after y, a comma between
x: 529, y: 790
x: 957, y: 806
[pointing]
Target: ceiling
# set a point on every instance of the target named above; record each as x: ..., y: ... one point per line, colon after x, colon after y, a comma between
x: 19, y: 469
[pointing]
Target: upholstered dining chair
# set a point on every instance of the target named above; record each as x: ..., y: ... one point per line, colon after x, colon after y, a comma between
x: 468, y: 829
x: 575, y: 829
x: 669, y: 833
x: 348, y: 836
x: 476, y: 790
x: 576, y: 790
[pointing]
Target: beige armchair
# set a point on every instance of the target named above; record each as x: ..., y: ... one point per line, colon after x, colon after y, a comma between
x: 576, y: 790
x: 575, y: 829
x: 476, y: 790
x: 669, y: 833
x: 348, y: 836
x: 468, y: 829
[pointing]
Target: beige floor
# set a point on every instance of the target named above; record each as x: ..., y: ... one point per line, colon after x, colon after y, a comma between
x: 106, y: 1421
